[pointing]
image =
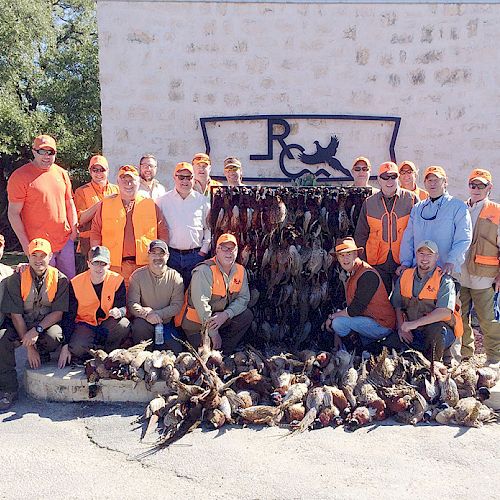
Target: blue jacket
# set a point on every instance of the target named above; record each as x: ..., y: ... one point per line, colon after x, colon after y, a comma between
x: 447, y: 222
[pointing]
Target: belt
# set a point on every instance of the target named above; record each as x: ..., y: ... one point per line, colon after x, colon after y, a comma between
x: 184, y: 252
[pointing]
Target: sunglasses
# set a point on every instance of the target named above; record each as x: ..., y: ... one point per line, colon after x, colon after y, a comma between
x: 403, y: 172
x: 477, y: 186
x: 386, y: 177
x: 45, y: 152
x: 98, y: 170
x: 358, y: 169
x: 184, y: 177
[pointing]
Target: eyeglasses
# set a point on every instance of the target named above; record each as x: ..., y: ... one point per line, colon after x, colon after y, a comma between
x: 227, y: 249
x: 386, y: 177
x: 428, y: 204
x: 358, y: 169
x: 403, y: 172
x: 477, y: 186
x: 98, y: 170
x: 45, y: 152
x: 184, y: 177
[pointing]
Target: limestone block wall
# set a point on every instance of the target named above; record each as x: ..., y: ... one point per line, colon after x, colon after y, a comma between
x: 165, y: 65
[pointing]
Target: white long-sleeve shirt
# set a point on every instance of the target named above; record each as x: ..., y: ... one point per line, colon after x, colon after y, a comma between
x: 186, y: 220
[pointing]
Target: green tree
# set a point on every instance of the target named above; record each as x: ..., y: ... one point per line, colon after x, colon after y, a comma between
x: 49, y: 83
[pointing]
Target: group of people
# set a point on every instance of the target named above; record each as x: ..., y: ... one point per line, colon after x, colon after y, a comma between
x: 150, y: 274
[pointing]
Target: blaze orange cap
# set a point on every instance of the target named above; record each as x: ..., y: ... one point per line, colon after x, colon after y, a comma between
x: 436, y: 170
x: 99, y: 160
x: 183, y: 165
x: 346, y: 245
x: 479, y: 174
x: 226, y: 238
x: 407, y: 163
x: 388, y: 167
x: 44, y: 142
x: 364, y: 160
x: 200, y: 158
x: 128, y: 170
x: 39, y: 245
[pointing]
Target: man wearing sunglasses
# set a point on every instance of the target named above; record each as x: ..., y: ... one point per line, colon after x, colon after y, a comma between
x: 186, y: 211
x: 480, y: 275
x: 408, y: 173
x: 89, y: 196
x: 41, y: 204
x: 361, y: 169
x: 382, y: 221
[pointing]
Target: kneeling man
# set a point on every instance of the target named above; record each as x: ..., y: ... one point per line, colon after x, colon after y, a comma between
x: 96, y: 315
x: 369, y: 313
x: 428, y: 316
x: 218, y: 297
x: 35, y: 298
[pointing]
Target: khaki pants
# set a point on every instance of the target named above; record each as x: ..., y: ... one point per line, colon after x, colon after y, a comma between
x: 483, y: 305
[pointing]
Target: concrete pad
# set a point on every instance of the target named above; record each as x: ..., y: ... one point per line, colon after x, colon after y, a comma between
x: 70, y: 384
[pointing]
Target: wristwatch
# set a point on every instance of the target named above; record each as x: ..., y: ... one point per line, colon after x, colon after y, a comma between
x: 39, y: 329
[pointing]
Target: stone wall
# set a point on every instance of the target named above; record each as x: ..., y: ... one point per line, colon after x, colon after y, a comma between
x: 165, y: 65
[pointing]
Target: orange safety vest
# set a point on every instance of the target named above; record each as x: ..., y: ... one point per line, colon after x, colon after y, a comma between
x: 387, y: 228
x: 114, y: 219
x: 425, y: 303
x: 88, y: 302
x: 50, y: 283
x: 219, y: 298
x: 421, y: 194
x: 92, y: 196
x: 379, y: 308
x: 483, y: 255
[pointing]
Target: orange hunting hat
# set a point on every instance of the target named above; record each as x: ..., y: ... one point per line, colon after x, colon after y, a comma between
x: 364, y: 160
x: 201, y: 158
x: 345, y: 245
x: 128, y: 170
x: 232, y: 162
x: 39, y: 245
x: 388, y: 167
x: 183, y: 165
x: 479, y: 174
x: 99, y: 160
x: 436, y: 170
x: 407, y: 163
x: 226, y: 238
x: 44, y: 142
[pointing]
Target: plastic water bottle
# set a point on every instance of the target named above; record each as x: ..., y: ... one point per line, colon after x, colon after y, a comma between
x: 159, y: 334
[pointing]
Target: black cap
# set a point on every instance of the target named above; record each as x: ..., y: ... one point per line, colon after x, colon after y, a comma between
x: 158, y: 244
x: 99, y: 254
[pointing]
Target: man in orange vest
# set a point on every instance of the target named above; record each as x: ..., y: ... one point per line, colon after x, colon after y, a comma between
x: 382, y: 221
x: 425, y: 302
x: 369, y: 313
x: 480, y: 274
x: 202, y: 180
x: 96, y: 312
x: 361, y: 168
x: 89, y: 196
x: 218, y: 297
x: 408, y: 173
x: 126, y: 224
x: 35, y: 298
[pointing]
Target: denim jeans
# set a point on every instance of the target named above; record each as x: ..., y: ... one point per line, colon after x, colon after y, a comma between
x: 185, y: 263
x: 64, y: 260
x: 367, y: 328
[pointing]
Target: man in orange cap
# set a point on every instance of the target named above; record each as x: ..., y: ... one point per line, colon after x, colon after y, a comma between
x: 233, y: 171
x: 408, y: 173
x: 202, y: 180
x: 150, y: 187
x: 89, y: 196
x: 186, y: 211
x: 369, y: 313
x: 218, y: 298
x: 382, y: 221
x: 361, y: 169
x: 41, y: 204
x: 126, y: 223
x: 35, y: 299
x: 480, y: 274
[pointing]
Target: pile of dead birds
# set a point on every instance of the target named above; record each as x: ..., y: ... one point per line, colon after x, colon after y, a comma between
x: 302, y: 391
x: 286, y: 236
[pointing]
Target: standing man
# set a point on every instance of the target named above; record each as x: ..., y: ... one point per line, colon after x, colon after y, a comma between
x: 369, y: 313
x: 480, y: 276
x: 97, y: 308
x: 126, y: 224
x: 382, y: 221
x: 425, y: 302
x: 150, y: 186
x: 232, y: 171
x: 155, y: 296
x: 218, y: 297
x: 89, y: 196
x: 202, y: 168
x: 360, y: 172
x: 185, y: 211
x: 36, y: 299
x: 41, y: 204
x: 408, y: 173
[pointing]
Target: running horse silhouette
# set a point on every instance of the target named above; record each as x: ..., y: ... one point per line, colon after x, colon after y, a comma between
x: 325, y: 155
